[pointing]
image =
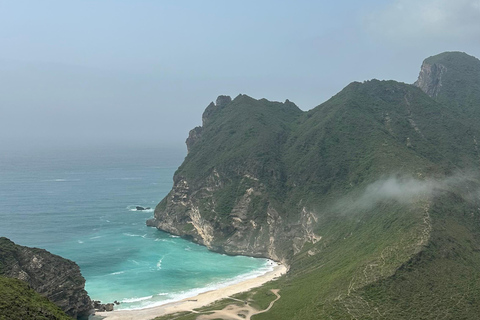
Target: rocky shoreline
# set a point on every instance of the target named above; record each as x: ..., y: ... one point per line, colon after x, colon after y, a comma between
x: 98, y: 306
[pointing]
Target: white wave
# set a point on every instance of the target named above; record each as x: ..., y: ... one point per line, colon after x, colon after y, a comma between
x: 79, y: 241
x: 159, y: 264
x: 131, y: 235
x: 115, y: 273
x: 96, y: 237
x: 173, y: 236
x: 136, y: 299
x: 268, y: 266
x: 60, y: 180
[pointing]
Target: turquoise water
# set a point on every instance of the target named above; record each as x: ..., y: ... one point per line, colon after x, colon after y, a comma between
x: 80, y: 204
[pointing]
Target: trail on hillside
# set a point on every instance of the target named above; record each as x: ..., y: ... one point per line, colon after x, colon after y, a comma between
x: 236, y: 312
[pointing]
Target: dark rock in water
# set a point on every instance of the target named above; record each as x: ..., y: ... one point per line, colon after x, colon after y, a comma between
x: 52, y: 276
x: 102, y: 307
x: 140, y: 208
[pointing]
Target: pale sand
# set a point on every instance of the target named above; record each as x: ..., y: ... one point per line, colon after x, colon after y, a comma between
x: 191, y: 303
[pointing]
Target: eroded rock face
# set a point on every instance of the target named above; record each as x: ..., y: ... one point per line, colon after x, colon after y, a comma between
x: 430, y: 78
x: 190, y: 212
x: 52, y: 276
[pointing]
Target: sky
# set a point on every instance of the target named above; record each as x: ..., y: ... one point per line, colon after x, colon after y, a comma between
x: 140, y: 72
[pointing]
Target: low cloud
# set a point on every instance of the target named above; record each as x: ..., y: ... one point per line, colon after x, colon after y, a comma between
x: 426, y: 20
x: 408, y: 190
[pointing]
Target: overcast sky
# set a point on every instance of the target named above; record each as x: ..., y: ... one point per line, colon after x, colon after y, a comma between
x: 141, y: 72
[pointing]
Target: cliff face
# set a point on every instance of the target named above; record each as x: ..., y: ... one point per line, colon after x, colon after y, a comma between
x: 225, y: 205
x: 453, y: 78
x: 54, y: 277
x: 430, y: 78
x: 252, y: 226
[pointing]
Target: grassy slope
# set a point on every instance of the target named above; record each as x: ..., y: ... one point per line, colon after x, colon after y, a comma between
x: 20, y: 302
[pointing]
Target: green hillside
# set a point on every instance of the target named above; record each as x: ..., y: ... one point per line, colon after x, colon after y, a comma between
x: 19, y: 302
x: 31, y: 282
x: 372, y: 198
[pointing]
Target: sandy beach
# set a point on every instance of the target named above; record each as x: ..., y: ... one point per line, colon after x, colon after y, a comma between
x: 191, y: 303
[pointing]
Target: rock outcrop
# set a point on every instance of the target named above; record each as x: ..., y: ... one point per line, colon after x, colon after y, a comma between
x: 430, y: 78
x: 452, y: 78
x: 52, y: 276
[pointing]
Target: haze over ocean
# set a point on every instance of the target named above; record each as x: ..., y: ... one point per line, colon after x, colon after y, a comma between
x: 80, y: 204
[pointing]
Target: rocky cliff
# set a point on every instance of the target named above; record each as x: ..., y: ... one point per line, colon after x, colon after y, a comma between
x: 430, y: 78
x: 453, y: 78
x: 225, y: 205
x: 54, y: 277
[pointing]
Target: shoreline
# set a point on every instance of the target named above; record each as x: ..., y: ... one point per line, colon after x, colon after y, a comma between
x: 194, y: 302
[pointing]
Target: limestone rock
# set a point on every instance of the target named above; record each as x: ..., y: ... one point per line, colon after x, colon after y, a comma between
x: 430, y: 78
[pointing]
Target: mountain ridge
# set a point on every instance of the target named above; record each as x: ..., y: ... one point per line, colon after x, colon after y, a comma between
x: 364, y: 196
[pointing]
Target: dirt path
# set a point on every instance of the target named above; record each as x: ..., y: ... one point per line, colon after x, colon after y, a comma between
x: 275, y: 292
x: 235, y: 312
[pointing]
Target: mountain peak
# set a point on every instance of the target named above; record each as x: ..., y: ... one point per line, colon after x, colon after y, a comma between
x: 448, y: 71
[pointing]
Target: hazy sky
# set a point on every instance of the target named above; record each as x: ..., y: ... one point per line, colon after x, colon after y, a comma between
x: 142, y: 72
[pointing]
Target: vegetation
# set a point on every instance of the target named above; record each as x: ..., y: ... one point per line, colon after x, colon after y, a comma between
x: 460, y: 83
x: 379, y: 257
x: 30, y: 282
x: 19, y: 301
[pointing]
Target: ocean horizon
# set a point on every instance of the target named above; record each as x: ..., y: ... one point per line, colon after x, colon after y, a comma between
x: 82, y: 205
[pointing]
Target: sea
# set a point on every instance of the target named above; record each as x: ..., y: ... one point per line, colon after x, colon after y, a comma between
x: 80, y: 203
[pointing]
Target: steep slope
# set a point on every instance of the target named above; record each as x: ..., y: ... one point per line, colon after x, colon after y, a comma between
x: 224, y: 191
x: 388, y: 202
x: 372, y: 199
x: 453, y: 78
x: 20, y: 302
x: 54, y: 277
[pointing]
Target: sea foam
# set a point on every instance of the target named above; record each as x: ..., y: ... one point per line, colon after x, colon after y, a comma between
x: 150, y: 302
